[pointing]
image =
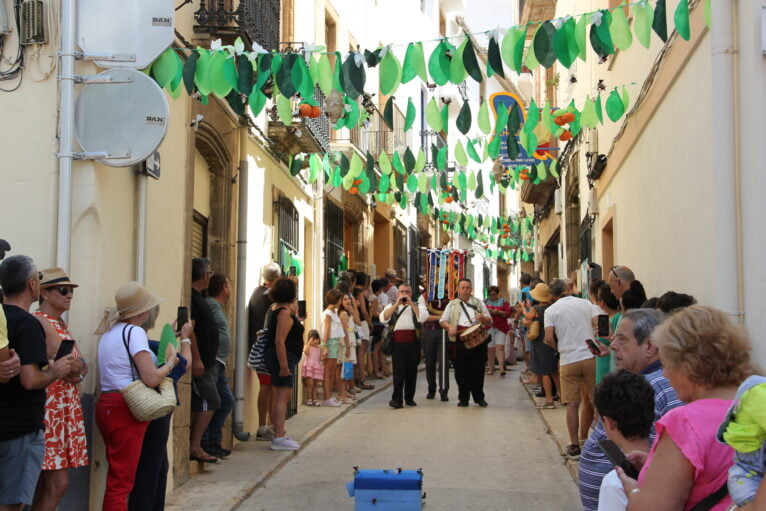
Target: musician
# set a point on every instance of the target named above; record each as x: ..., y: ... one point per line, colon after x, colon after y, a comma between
x: 404, y: 318
x: 432, y: 348
x: 462, y: 313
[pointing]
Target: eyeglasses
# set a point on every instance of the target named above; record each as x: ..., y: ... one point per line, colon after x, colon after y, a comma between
x: 64, y: 290
x: 611, y: 270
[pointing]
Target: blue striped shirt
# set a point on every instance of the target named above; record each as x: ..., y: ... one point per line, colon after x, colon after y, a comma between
x: 594, y: 464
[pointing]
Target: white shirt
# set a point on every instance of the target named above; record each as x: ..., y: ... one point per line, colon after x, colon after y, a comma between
x: 393, y: 294
x: 382, y: 301
x: 113, y: 362
x: 405, y: 318
x: 463, y: 320
x: 336, y: 327
x: 611, y: 496
x: 572, y: 319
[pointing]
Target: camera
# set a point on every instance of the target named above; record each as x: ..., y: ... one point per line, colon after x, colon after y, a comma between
x: 404, y: 299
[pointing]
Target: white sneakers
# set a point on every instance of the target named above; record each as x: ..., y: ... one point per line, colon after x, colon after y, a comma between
x: 331, y: 402
x: 267, y: 435
x: 284, y: 443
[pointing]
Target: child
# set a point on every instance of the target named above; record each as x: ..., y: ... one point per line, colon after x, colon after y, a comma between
x: 313, y: 370
x: 348, y: 351
x: 744, y: 429
x: 333, y: 335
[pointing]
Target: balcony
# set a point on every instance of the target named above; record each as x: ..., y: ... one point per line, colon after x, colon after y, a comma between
x: 536, y: 10
x: 378, y: 137
x: 304, y: 135
x: 253, y: 20
x: 538, y: 194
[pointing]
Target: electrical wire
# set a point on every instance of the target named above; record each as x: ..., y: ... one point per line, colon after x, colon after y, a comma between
x: 16, y: 65
x: 52, y: 20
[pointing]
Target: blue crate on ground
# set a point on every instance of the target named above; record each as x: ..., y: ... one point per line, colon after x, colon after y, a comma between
x: 387, y: 490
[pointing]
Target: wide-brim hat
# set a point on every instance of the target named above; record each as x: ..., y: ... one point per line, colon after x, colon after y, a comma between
x: 52, y: 277
x: 541, y: 293
x: 391, y: 273
x: 131, y: 299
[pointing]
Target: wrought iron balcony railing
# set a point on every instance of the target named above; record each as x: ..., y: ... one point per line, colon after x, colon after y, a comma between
x: 254, y: 20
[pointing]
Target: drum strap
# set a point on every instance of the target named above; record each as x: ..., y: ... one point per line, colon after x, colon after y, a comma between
x: 463, y: 304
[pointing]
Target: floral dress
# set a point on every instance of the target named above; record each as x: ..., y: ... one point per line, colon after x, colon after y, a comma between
x: 65, y: 442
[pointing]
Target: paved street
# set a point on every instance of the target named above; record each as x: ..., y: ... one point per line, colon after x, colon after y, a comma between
x: 498, y: 458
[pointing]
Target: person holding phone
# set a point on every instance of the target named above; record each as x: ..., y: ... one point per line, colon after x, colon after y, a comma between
x: 625, y: 402
x: 65, y: 441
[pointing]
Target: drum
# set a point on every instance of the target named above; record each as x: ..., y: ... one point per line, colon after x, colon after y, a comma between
x: 473, y: 336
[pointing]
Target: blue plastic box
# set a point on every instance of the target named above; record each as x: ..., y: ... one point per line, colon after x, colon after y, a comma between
x: 387, y: 490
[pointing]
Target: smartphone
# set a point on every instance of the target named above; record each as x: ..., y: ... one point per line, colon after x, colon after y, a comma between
x: 592, y: 347
x: 65, y: 348
x: 603, y: 325
x: 301, y: 308
x: 182, y: 318
x: 617, y: 457
x: 293, y: 271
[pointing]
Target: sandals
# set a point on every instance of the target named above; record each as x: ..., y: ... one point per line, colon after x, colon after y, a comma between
x: 310, y: 402
x: 203, y: 459
x: 364, y: 386
x: 546, y: 406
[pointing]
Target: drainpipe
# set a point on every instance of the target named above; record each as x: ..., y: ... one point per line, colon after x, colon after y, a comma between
x: 65, y: 132
x: 727, y: 221
x: 241, y: 354
x: 142, y: 188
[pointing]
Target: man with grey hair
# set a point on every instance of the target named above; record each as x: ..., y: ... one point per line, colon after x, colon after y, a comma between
x: 619, y: 280
x: 22, y: 397
x: 568, y: 324
x: 634, y: 351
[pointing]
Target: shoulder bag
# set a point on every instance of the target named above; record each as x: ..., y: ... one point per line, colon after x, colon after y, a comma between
x: 388, y: 341
x: 256, y: 360
x: 147, y: 403
x: 533, y: 332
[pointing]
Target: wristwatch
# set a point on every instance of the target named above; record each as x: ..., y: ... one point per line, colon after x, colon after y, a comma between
x: 185, y: 341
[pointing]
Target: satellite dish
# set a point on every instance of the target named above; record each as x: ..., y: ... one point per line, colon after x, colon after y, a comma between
x: 144, y: 28
x: 128, y: 118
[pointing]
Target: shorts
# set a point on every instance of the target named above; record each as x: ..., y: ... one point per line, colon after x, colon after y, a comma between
x: 21, y: 461
x: 264, y: 379
x: 333, y: 347
x: 205, y: 396
x: 497, y: 338
x: 377, y: 333
x: 364, y: 331
x: 273, y: 363
x: 527, y: 344
x: 577, y: 377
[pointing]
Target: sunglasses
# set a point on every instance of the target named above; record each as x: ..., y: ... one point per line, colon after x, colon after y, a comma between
x: 63, y: 290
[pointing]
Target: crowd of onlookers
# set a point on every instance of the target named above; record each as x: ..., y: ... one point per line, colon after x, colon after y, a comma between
x: 663, y: 407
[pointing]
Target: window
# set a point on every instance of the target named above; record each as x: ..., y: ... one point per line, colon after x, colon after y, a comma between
x: 289, y: 240
x: 333, y: 231
x: 199, y: 235
x: 400, y: 247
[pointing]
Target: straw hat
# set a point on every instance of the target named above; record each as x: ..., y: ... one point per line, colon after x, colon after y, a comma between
x: 55, y: 277
x: 391, y: 274
x: 131, y: 299
x: 541, y: 293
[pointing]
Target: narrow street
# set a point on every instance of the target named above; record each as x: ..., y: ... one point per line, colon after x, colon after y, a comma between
x: 497, y: 458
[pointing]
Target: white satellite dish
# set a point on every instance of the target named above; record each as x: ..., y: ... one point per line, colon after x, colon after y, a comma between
x: 127, y: 120
x: 144, y: 28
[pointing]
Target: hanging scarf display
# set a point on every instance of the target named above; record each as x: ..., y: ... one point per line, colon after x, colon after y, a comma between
x: 432, y: 273
x: 442, y: 272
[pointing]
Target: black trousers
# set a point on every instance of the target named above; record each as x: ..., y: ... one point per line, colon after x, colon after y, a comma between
x: 148, y: 492
x: 469, y: 371
x: 432, y: 348
x: 405, y: 359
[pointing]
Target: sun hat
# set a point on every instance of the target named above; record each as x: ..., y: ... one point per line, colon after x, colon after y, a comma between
x: 131, y: 299
x: 391, y: 273
x: 55, y: 277
x: 541, y: 293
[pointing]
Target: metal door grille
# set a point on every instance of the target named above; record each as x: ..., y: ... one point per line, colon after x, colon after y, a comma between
x: 333, y: 231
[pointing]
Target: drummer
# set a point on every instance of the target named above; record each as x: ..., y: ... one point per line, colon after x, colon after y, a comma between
x: 460, y: 314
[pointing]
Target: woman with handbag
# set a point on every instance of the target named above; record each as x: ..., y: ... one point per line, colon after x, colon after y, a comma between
x: 542, y: 357
x: 124, y: 356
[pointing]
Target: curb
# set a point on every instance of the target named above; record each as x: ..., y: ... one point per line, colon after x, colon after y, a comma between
x: 572, y: 465
x: 237, y: 500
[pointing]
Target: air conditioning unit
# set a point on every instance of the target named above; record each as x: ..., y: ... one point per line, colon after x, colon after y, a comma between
x: 558, y: 207
x: 5, y: 27
x: 32, y: 18
x: 597, y: 166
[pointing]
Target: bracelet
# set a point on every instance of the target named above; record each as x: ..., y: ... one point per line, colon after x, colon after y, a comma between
x: 635, y: 490
x: 168, y: 363
x: 185, y: 341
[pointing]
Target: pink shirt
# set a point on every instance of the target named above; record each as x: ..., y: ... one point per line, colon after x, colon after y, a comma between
x: 693, y: 428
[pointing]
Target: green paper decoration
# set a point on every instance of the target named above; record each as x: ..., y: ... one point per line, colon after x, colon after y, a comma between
x: 472, y: 152
x: 514, y: 120
x: 188, y: 72
x: 599, y: 109
x: 372, y: 57
x: 471, y: 180
x: 344, y: 165
x: 245, y: 74
x: 470, y: 62
x: 285, y: 110
x: 512, y: 48
x: 202, y: 74
x: 479, y: 186
x: 565, y: 43
x: 660, y: 21
x: 352, y: 77
x: 531, y: 60
x: 708, y: 15
x: 397, y: 162
x: 412, y: 183
x: 625, y: 97
x: 414, y: 63
x: 458, y: 71
x: 600, y: 37
x: 580, y: 37
x: 441, y: 158
x: 681, y: 19
x: 166, y: 337
x: 167, y: 66
x: 384, y: 163
x: 356, y: 166
x: 433, y: 115
x: 284, y: 77
x: 463, y: 121
x: 483, y: 118
x: 409, y: 118
x: 388, y: 112
x: 542, y: 44
x: 325, y: 75
x: 385, y: 183
x: 493, y: 148
x: 502, y: 120
x: 409, y: 160
x: 420, y: 162
x: 295, y: 164
x: 620, y: 30
x: 439, y: 64
x: 390, y: 74
x: 494, y: 59
x: 643, y: 14
x: 460, y: 156
x: 445, y: 118
x: 614, y: 106
x: 315, y: 167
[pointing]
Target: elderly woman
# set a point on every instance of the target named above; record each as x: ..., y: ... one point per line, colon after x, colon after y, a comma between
x: 65, y: 443
x: 283, y: 352
x: 123, y: 344
x: 705, y: 357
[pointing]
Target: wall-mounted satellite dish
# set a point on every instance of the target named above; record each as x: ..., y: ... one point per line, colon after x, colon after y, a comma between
x: 144, y: 28
x: 128, y: 118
